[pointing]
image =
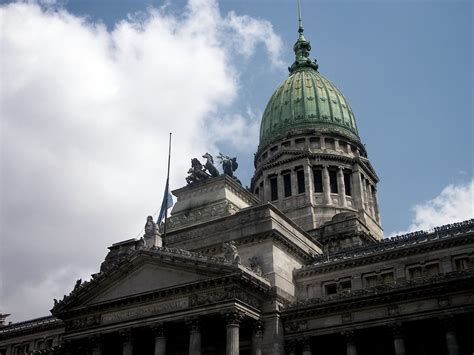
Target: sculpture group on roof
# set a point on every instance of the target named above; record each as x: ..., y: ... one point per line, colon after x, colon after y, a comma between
x: 200, y: 172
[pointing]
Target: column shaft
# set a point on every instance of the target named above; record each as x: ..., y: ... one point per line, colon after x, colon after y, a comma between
x: 232, y: 345
x: 160, y: 345
x: 266, y: 189
x: 195, y: 343
x: 257, y: 338
x: 160, y: 339
x: 452, y: 342
x: 341, y: 187
x: 399, y: 345
x: 194, y: 337
x: 358, y: 193
x: 309, y: 183
x: 351, y: 349
x: 326, y: 186
x: 127, y: 348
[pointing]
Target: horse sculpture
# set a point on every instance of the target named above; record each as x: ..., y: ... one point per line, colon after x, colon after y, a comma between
x: 196, y: 172
x: 209, y: 165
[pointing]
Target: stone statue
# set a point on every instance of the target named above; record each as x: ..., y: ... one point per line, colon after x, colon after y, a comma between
x: 209, y: 165
x: 77, y: 285
x: 196, y: 173
x: 230, y: 252
x: 229, y: 165
x: 255, y: 265
x: 150, y: 227
x: 152, y: 237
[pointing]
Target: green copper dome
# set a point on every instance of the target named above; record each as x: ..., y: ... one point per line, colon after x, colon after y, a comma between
x: 306, y: 102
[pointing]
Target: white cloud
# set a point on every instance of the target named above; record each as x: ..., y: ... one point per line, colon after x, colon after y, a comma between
x: 85, y: 119
x: 454, y: 204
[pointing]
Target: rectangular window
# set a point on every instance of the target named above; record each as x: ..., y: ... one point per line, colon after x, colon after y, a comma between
x: 318, y: 180
x: 347, y: 184
x: 300, y: 178
x: 387, y: 277
x: 331, y: 289
x: 346, y: 285
x: 273, y: 188
x: 461, y: 264
x: 329, y: 143
x: 287, y: 184
x: 432, y: 269
x: 415, y: 272
x: 333, y: 181
x: 370, y: 281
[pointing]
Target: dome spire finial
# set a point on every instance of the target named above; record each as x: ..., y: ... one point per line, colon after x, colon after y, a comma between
x: 300, y: 22
x: 302, y: 48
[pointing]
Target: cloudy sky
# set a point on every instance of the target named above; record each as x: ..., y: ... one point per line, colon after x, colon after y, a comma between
x: 90, y: 90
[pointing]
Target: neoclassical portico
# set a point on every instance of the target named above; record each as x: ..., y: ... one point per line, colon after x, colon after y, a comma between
x: 119, y: 311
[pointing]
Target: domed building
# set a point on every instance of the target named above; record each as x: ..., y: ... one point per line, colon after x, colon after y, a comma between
x: 310, y: 161
x: 296, y: 264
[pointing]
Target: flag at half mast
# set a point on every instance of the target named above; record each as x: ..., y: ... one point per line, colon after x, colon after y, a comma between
x: 166, y: 204
x: 167, y: 198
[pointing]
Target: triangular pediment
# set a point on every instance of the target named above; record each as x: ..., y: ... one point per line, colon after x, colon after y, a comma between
x: 146, y: 278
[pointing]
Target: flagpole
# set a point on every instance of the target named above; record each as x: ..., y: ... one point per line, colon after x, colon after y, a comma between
x: 167, y: 191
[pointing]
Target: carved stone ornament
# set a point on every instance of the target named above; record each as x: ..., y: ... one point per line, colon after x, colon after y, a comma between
x: 295, y: 326
x: 194, y: 324
x: 349, y: 336
x: 233, y: 318
x: 125, y: 335
x: 397, y: 330
x: 255, y: 265
x: 230, y: 252
x: 158, y: 329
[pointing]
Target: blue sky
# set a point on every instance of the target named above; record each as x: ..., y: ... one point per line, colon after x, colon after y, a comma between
x: 91, y: 88
x: 405, y: 66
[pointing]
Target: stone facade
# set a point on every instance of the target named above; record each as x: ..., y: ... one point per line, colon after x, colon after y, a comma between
x: 297, y: 264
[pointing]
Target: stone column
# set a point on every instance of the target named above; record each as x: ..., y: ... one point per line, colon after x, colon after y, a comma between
x: 398, y: 338
x: 351, y: 348
x: 280, y: 186
x: 309, y: 182
x: 358, y: 193
x: 366, y: 196
x: 233, y: 320
x: 306, y: 344
x: 370, y: 199
x: 160, y: 339
x: 341, y: 186
x: 127, y: 342
x: 326, y: 186
x: 266, y: 188
x: 450, y: 334
x: 257, y: 338
x: 323, y: 143
x: 290, y: 347
x: 194, y: 336
x: 95, y: 342
x: 376, y: 205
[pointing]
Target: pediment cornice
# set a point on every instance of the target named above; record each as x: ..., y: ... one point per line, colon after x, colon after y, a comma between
x: 212, y: 271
